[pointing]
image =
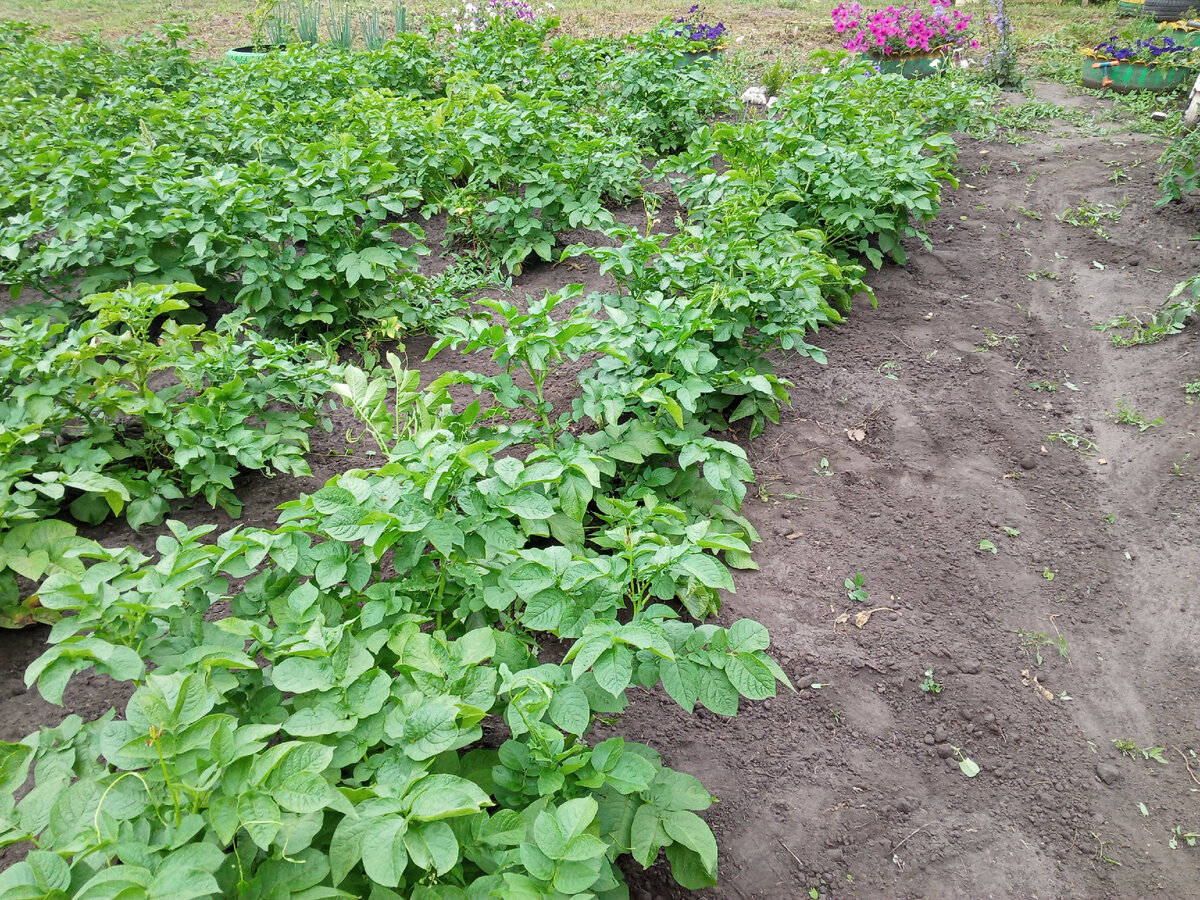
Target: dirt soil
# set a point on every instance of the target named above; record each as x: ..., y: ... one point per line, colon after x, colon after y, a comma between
x: 922, y: 437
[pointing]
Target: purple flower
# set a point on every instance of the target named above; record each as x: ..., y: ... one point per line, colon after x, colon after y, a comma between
x: 699, y: 32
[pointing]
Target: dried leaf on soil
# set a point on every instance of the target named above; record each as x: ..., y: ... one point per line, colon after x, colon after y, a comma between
x: 1027, y: 679
x: 865, y: 616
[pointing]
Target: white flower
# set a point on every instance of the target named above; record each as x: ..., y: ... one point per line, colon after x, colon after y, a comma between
x: 549, y: 6
x: 469, y: 7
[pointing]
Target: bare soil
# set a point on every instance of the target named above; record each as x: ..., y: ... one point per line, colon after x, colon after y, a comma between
x: 935, y: 440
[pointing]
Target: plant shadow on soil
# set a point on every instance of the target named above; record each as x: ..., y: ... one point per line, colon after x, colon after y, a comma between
x: 935, y: 440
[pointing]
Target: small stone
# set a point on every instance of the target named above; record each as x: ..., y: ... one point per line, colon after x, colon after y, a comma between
x: 944, y: 751
x: 940, y: 734
x: 929, y: 741
x: 970, y: 668
x: 1108, y: 772
x: 1028, y: 462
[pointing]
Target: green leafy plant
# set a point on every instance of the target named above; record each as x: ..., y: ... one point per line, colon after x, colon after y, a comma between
x: 929, y: 684
x: 1130, y: 330
x: 1127, y: 415
x: 1074, y: 440
x: 776, y: 78
x: 124, y: 416
x: 856, y: 588
x: 1034, y: 641
x: 108, y: 417
x: 1092, y: 215
x: 530, y: 343
x: 988, y: 546
x: 253, y: 807
x: 393, y: 692
x: 966, y: 765
x: 1181, y: 837
x: 1133, y: 751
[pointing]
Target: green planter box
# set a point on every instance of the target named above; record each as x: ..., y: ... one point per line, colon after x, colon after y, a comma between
x: 1128, y: 8
x: 1127, y: 77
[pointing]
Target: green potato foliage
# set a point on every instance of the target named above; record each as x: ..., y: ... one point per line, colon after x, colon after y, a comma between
x: 403, y: 697
x: 103, y: 417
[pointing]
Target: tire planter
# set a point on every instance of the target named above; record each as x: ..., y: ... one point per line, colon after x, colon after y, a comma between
x: 920, y: 66
x: 240, y: 56
x: 1170, y: 10
x: 1187, y: 38
x: 698, y: 57
x: 1124, y: 78
x: 1131, y: 7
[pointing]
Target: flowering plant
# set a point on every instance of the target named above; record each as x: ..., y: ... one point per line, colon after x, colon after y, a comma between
x: 477, y: 17
x: 1000, y: 62
x: 905, y: 29
x: 709, y: 37
x: 1166, y: 51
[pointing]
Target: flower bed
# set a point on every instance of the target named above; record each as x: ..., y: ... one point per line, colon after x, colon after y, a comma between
x: 1166, y: 51
x: 703, y: 36
x: 904, y: 30
x: 1142, y: 64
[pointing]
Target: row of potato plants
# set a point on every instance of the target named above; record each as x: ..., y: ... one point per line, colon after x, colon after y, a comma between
x: 402, y: 697
x: 288, y: 189
x: 113, y: 415
x: 293, y: 187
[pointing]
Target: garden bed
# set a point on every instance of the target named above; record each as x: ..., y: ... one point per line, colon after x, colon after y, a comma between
x: 850, y: 786
x: 924, y: 436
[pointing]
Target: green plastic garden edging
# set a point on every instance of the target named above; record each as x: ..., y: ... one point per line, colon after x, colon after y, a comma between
x: 1130, y: 8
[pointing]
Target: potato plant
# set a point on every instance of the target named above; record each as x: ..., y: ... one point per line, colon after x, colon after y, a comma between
x: 402, y: 697
x: 105, y: 418
x: 292, y: 187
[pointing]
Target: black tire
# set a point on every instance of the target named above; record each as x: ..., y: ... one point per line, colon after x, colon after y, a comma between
x: 1170, y: 10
